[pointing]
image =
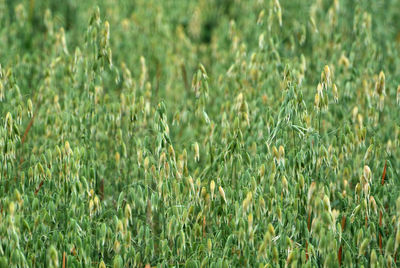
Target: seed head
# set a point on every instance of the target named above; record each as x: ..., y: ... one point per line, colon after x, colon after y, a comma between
x: 192, y: 183
x: 344, y: 61
x: 275, y: 254
x: 117, y: 157
x: 120, y: 226
x: 260, y: 17
x: 139, y: 157
x: 63, y: 40
x: 327, y: 75
x: 9, y: 122
x: 222, y: 193
x: 30, y: 108
x: 368, y: 152
x: 281, y: 152
x: 271, y: 229
x: 91, y: 206
x: 327, y: 203
x: 373, y: 205
x: 284, y: 183
x: 380, y: 84
x: 107, y: 30
x: 290, y: 258
x: 374, y: 258
x: 335, y: 93
x: 11, y: 208
x: 67, y: 148
x: 261, y: 41
x: 18, y: 197
x: 196, y: 152
x: 203, y: 192
x: 276, y: 153
x: 96, y: 202
x: 171, y: 152
x: 146, y: 163
x: 247, y: 201
x: 262, y: 170
x: 316, y: 101
x: 363, y: 247
x: 52, y: 257
x: 250, y: 221
x: 102, y: 264
x: 278, y: 11
x: 261, y: 203
x: 320, y: 90
x: 117, y: 246
x: 212, y: 188
x: 128, y: 211
x: 279, y: 214
x: 367, y: 173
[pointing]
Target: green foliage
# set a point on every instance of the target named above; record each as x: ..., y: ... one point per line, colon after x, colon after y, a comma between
x: 259, y: 133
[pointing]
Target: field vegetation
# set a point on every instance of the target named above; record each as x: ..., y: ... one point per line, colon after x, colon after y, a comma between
x: 201, y: 133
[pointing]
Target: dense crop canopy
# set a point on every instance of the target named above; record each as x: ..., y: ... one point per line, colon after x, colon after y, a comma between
x: 201, y: 133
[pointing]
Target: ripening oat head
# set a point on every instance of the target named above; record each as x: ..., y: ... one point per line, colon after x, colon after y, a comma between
x: 117, y: 157
x: 320, y: 90
x: 212, y: 188
x: 281, y: 152
x: 222, y: 193
x: 373, y: 205
x: 335, y: 93
x: 344, y: 61
x: 102, y: 264
x: 367, y: 173
x: 317, y: 101
x: 196, y: 152
x: 327, y: 203
x: 275, y: 152
x: 381, y: 84
x: 327, y: 75
x: 67, y: 148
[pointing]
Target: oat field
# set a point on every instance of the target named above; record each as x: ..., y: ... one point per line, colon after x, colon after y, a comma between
x: 201, y: 133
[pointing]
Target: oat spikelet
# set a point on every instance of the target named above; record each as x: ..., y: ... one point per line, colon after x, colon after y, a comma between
x: 222, y: 193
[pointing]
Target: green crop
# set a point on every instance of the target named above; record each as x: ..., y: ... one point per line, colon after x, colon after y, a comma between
x: 201, y: 133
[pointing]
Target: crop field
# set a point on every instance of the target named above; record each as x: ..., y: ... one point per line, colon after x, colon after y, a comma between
x: 199, y: 133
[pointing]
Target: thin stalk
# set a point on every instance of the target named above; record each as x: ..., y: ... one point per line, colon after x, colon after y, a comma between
x: 319, y: 138
x: 65, y: 214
